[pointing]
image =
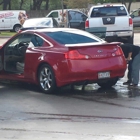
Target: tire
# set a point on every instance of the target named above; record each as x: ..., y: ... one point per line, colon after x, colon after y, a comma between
x: 108, y: 84
x: 16, y: 28
x: 46, y: 79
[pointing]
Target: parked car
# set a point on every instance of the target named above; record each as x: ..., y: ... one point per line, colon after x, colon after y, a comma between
x: 72, y: 18
x: 55, y: 57
x: 39, y: 23
x: 115, y: 18
x: 12, y: 19
x: 135, y: 14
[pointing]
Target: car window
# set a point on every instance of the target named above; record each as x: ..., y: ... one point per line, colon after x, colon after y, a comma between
x: 71, y: 37
x: 55, y: 23
x: 12, y: 46
x: 36, y: 41
x: 136, y: 13
x: 53, y: 14
x: 21, y: 38
x: 108, y: 11
x: 76, y: 16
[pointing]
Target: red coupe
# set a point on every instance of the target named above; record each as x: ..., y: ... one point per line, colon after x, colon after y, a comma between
x: 55, y: 57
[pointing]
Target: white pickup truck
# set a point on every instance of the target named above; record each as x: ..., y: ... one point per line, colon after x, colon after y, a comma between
x: 116, y: 19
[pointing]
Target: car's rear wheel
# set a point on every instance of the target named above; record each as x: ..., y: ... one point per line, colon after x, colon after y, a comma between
x: 108, y: 84
x: 46, y: 79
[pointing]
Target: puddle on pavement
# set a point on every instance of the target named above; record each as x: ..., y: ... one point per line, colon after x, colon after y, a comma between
x: 90, y: 90
x: 118, y: 91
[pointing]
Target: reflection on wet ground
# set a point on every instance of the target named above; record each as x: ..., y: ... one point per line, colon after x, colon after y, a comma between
x: 90, y: 90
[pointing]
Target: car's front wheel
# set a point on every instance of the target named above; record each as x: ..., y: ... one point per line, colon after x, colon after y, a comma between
x: 108, y: 84
x: 46, y: 79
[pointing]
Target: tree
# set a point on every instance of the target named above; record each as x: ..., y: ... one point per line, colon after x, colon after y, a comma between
x: 78, y: 3
x: 6, y: 3
x: 21, y: 3
x: 46, y: 4
x: 37, y: 4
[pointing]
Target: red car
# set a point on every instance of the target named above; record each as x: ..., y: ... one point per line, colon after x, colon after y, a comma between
x: 55, y: 57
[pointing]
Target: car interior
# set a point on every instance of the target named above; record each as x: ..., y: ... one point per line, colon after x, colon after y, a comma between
x: 14, y: 53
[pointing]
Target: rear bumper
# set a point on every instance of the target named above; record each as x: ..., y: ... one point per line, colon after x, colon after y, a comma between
x: 118, y: 36
x: 87, y: 71
x: 119, y: 33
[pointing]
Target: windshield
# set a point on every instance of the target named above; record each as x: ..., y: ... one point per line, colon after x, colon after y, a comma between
x: 69, y: 37
x: 108, y: 11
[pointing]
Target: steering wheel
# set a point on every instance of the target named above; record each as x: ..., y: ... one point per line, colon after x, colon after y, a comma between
x: 21, y: 47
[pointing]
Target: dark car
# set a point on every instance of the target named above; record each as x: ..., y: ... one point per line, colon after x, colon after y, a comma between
x: 55, y: 57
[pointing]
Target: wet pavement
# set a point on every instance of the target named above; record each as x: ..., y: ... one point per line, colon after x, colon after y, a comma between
x: 69, y: 114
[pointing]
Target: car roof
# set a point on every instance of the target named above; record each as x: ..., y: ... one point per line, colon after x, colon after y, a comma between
x: 37, y: 19
x: 34, y: 22
x: 54, y: 29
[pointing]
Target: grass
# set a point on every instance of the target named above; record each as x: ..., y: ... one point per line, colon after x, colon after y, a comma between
x: 10, y: 34
x: 6, y: 33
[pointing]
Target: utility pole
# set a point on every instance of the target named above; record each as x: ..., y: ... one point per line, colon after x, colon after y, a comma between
x: 62, y: 4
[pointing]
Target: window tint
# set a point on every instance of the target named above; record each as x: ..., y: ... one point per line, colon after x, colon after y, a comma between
x: 36, y: 41
x: 108, y: 11
x: 70, y: 38
x: 55, y: 23
x: 53, y: 14
x: 76, y: 16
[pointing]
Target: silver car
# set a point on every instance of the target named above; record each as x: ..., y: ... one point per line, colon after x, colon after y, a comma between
x: 39, y: 23
x: 135, y: 14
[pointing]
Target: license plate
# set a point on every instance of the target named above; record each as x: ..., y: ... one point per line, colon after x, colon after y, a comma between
x: 109, y: 33
x: 103, y: 75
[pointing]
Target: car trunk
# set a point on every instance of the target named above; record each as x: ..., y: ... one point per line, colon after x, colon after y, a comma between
x: 99, y: 51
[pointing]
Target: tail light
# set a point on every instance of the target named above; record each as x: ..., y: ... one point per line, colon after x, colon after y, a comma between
x: 87, y: 24
x: 75, y: 55
x: 118, y: 52
x: 130, y: 21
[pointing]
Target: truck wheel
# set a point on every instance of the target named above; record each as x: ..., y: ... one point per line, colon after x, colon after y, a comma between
x: 16, y: 28
x: 108, y: 84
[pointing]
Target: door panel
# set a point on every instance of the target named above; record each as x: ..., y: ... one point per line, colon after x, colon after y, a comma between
x: 76, y: 19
